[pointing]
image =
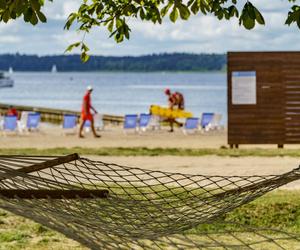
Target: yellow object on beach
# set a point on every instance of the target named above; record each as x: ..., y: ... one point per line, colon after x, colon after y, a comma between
x: 169, y: 113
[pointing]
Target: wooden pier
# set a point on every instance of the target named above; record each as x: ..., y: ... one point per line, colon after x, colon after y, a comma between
x: 56, y: 115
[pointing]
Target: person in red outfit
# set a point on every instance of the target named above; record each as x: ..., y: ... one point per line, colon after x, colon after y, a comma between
x: 175, y: 100
x: 12, y: 111
x: 86, y: 114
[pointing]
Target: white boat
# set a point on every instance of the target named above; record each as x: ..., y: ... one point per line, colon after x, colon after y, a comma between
x: 5, y: 81
x: 10, y: 70
x: 54, y: 69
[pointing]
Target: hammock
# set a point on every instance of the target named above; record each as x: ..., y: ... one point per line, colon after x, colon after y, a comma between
x: 108, y: 206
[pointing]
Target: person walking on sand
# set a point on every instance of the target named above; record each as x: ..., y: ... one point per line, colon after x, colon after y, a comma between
x: 86, y: 114
x: 175, y: 100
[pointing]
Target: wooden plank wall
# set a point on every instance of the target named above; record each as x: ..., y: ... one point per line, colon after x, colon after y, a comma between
x: 275, y: 119
x: 291, y: 80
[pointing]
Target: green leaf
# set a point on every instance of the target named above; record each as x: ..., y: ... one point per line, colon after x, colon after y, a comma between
x: 259, y: 17
x: 126, y: 32
x: 35, y: 5
x: 84, y: 47
x: 298, y: 23
x: 174, y: 14
x: 119, y: 23
x: 231, y: 10
x: 220, y: 14
x: 142, y: 13
x: 3, y: 4
x: 34, y: 20
x: 164, y: 11
x: 41, y: 16
x: 248, y: 23
x: 84, y: 57
x: 184, y: 12
x: 6, y: 16
x: 72, y: 46
x: 70, y: 20
x: 119, y: 37
x: 20, y: 7
x: 195, y: 8
x: 250, y: 10
x: 27, y: 14
x: 111, y: 25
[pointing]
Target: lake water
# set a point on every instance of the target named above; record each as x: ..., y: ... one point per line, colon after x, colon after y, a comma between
x: 119, y: 93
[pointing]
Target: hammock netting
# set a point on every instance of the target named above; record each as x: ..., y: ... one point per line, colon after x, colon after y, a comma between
x: 108, y: 206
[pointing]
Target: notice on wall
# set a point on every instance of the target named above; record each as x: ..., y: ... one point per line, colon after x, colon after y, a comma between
x: 243, y: 87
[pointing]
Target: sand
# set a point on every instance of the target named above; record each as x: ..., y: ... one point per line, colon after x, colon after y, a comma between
x: 52, y: 136
x: 210, y: 165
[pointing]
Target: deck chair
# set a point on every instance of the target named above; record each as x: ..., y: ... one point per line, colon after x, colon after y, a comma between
x: 191, y: 125
x: 10, y: 124
x: 87, y: 126
x: 215, y: 122
x: 98, y: 121
x: 33, y: 121
x: 206, y: 120
x: 130, y: 123
x: 144, y: 122
x: 69, y: 124
x: 154, y: 122
x: 22, y: 123
x: 1, y: 122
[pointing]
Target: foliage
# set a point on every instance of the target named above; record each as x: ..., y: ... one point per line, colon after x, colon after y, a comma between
x: 148, y: 63
x: 30, y: 10
x: 115, y: 15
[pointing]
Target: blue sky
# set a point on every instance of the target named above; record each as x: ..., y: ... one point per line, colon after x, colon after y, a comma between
x: 199, y: 34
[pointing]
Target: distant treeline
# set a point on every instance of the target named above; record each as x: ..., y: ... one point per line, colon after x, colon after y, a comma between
x: 155, y: 62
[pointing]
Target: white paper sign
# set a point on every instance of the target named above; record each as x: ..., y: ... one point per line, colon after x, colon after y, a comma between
x: 243, y: 87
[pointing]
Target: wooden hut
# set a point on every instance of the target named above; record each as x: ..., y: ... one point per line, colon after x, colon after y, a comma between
x: 263, y: 98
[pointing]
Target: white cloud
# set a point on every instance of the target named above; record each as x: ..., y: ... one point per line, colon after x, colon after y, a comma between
x: 60, y: 10
x: 10, y: 39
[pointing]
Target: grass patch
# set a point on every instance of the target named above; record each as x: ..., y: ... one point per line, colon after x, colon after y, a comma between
x: 19, y: 233
x: 278, y: 209
x: 143, y: 151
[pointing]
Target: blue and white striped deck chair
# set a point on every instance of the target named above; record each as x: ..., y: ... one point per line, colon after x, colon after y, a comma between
x: 144, y: 122
x: 69, y: 123
x: 191, y: 125
x: 33, y: 121
x: 10, y: 123
x: 130, y: 123
x: 206, y: 120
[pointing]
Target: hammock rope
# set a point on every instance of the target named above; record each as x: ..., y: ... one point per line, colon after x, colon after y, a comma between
x: 109, y: 206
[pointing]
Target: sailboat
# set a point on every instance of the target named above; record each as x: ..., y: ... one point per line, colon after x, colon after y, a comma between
x: 10, y: 70
x: 54, y: 69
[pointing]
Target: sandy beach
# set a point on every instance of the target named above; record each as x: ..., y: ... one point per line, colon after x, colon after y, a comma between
x: 52, y: 137
x: 210, y: 165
